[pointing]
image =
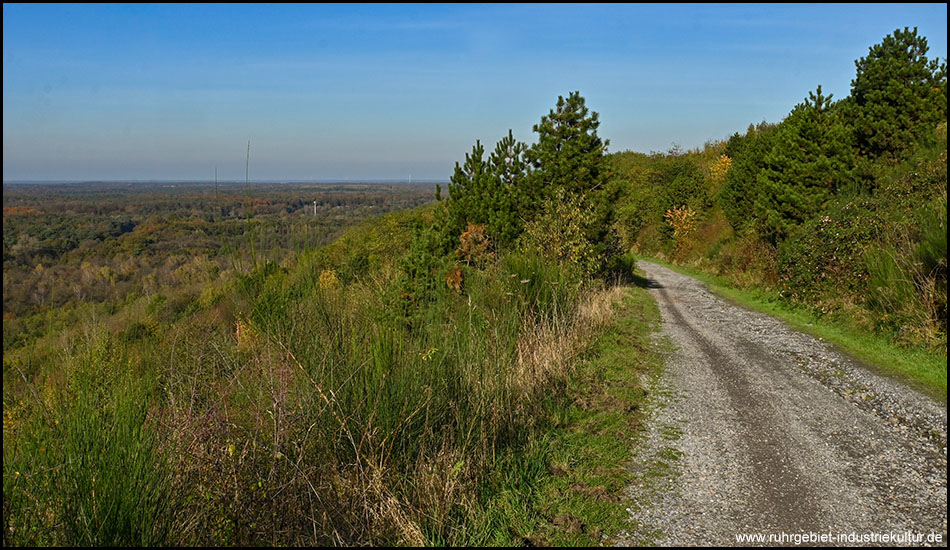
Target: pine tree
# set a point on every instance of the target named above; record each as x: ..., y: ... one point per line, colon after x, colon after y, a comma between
x: 512, y: 187
x: 568, y: 154
x: 683, y: 184
x: 490, y: 192
x: 469, y: 185
x: 741, y: 188
x: 507, y: 196
x: 897, y: 94
x: 810, y: 159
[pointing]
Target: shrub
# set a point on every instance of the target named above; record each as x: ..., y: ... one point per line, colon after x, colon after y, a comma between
x: 476, y: 247
x: 561, y: 234
x: 88, y: 468
x: 827, y: 257
x: 907, y: 282
x: 683, y: 222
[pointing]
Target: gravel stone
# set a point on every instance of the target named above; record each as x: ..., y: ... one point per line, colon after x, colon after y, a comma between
x: 757, y: 429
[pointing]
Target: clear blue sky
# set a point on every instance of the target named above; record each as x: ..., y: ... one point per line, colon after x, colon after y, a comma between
x: 385, y: 91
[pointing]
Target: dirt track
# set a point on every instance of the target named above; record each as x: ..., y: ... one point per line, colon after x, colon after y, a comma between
x: 760, y: 430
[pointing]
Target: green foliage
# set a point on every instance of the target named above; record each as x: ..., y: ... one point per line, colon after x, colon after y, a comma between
x: 891, y: 288
x: 372, y: 410
x: 540, y: 286
x: 569, y: 154
x: 89, y: 469
x: 884, y: 253
x: 561, y: 234
x: 683, y: 184
x: 431, y: 391
x: 423, y: 271
x: 633, y: 173
x: 512, y: 191
x: 469, y: 198
x: 826, y: 258
x: 908, y: 276
x: 842, y: 206
x: 509, y: 166
x: 898, y: 95
x: 652, y: 186
x: 908, y: 288
x: 489, y: 192
x: 741, y: 189
x: 931, y: 249
x: 374, y: 245
x: 809, y: 160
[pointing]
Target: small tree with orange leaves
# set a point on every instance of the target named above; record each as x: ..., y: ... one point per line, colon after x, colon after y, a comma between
x: 476, y: 247
x: 453, y: 279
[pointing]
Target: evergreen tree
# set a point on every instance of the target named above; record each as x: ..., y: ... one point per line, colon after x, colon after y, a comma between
x: 571, y: 157
x: 511, y: 188
x: 897, y: 94
x: 682, y: 184
x: 739, y: 192
x: 568, y: 154
x: 470, y: 184
x: 510, y: 170
x: 489, y: 192
x: 810, y: 159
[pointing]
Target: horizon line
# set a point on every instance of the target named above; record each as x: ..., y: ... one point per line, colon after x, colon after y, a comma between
x: 219, y: 182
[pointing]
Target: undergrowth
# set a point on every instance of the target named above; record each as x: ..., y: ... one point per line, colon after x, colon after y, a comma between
x: 332, y: 400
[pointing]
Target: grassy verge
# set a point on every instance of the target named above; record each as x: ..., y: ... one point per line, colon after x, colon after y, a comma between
x: 351, y: 396
x: 567, y: 489
x: 299, y: 409
x: 918, y: 367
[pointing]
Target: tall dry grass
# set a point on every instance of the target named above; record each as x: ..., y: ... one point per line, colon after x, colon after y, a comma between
x: 303, y: 409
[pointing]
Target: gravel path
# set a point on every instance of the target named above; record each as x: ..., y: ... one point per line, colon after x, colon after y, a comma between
x: 760, y: 430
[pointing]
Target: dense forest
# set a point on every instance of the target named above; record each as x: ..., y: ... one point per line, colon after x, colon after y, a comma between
x: 204, y: 366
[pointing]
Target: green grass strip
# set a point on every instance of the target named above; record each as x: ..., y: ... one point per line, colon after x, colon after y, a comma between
x: 568, y: 488
x: 920, y: 368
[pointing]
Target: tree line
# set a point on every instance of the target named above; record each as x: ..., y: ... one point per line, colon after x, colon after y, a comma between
x: 841, y: 204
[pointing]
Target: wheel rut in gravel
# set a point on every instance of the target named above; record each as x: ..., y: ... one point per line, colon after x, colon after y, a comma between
x: 776, y: 433
x: 783, y: 497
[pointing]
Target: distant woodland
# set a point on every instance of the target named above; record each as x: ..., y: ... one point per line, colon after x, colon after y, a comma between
x: 65, y: 245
